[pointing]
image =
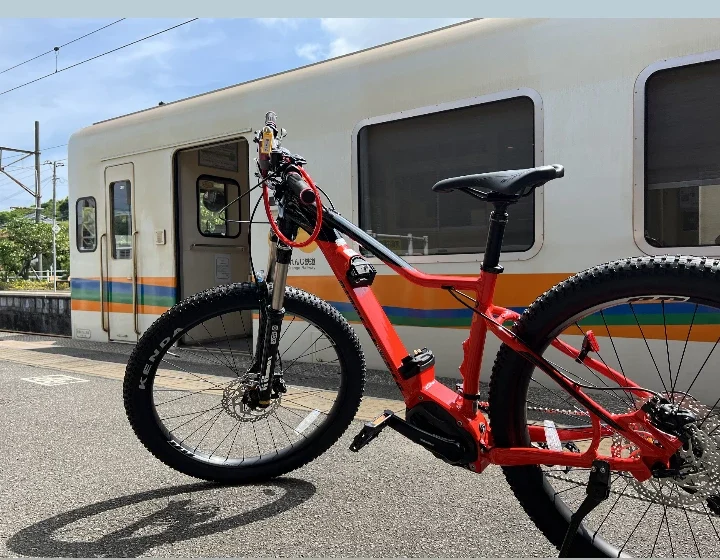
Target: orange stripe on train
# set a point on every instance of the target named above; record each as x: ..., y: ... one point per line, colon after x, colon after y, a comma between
x: 512, y: 290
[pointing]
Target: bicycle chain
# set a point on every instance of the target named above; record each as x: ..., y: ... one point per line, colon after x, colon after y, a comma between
x: 634, y: 495
x: 485, y: 406
x: 638, y: 491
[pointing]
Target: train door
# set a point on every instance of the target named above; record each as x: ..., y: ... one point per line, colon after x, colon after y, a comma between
x: 119, y: 293
x: 212, y: 244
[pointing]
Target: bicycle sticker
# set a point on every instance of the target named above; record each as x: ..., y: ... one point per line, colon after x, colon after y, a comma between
x: 267, y: 141
x: 309, y: 419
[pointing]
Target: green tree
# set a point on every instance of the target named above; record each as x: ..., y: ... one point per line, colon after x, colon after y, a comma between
x: 7, y: 215
x: 62, y: 210
x: 22, y: 240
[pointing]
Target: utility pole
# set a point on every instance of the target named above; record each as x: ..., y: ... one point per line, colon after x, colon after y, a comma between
x: 38, y: 196
x: 55, y: 228
x: 36, y: 193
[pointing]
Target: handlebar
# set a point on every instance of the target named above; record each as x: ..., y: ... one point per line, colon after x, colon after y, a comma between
x: 274, y: 159
x: 299, y: 188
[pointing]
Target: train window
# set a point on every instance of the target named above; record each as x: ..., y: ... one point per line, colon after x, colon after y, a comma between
x: 218, y: 209
x: 86, y: 224
x: 400, y: 160
x: 682, y: 156
x: 121, y: 227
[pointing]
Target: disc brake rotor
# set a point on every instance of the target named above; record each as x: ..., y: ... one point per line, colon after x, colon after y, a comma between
x: 700, y: 478
x: 232, y: 403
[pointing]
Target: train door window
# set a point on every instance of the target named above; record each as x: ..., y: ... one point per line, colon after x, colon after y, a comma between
x: 121, y: 226
x: 400, y: 160
x: 86, y: 224
x: 682, y: 156
x: 218, y: 207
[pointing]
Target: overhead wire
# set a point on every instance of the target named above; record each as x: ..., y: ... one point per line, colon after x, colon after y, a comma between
x: 98, y: 56
x: 56, y: 49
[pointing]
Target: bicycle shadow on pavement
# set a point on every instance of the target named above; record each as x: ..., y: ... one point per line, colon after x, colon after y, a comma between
x: 186, y: 512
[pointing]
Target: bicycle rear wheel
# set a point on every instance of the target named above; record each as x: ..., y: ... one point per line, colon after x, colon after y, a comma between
x: 667, y: 344
x: 185, y: 402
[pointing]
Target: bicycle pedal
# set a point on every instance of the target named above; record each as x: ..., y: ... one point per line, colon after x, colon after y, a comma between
x: 370, y: 431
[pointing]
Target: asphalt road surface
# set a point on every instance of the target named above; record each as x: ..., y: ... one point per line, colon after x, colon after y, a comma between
x: 76, y: 483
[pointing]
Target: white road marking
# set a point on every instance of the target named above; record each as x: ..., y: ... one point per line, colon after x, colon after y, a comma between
x: 51, y: 380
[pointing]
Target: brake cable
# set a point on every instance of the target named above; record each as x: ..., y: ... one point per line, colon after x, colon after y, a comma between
x: 318, y: 220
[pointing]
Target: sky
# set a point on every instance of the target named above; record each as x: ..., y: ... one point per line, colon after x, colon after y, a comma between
x: 201, y: 56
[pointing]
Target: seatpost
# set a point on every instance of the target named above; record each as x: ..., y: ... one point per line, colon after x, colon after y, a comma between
x: 498, y: 221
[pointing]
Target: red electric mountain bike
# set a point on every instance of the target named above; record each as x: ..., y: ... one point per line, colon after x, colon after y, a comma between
x: 631, y: 445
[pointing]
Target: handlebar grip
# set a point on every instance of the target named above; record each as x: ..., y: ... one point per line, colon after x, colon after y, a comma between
x: 300, y: 189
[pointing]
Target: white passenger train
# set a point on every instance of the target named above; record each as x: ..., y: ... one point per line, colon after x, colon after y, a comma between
x: 629, y: 107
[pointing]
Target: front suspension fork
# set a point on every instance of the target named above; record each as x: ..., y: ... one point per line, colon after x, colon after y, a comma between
x: 271, y: 318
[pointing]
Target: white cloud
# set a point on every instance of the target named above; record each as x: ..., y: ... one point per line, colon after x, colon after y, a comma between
x: 159, y: 49
x: 342, y: 46
x: 347, y: 35
x: 280, y: 23
x: 310, y: 51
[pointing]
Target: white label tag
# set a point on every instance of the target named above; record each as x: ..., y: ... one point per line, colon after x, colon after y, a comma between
x: 551, y: 436
x: 222, y: 269
x: 309, y: 419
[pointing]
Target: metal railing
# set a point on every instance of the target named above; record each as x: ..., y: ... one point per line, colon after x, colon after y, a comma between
x: 410, y: 237
x: 39, y: 275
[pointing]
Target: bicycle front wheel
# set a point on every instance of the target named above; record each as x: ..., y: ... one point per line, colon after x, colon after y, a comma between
x: 186, y: 404
x: 657, y: 320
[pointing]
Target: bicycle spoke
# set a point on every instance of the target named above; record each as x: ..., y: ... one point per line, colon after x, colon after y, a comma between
x: 232, y: 356
x: 667, y: 350
x: 189, y: 413
x: 286, y: 329
x: 194, y: 375
x: 214, y: 342
x: 294, y: 341
x: 306, y: 355
x: 652, y: 357
x: 682, y: 356
x: 613, y: 506
x: 692, y: 532
x: 257, y: 442
x: 213, y: 360
x: 612, y: 342
x: 193, y: 418
x: 198, y: 428
x: 301, y: 355
x: 210, y: 428
x: 282, y: 427
x: 657, y: 536
x: 223, y: 440
x: 699, y: 371
x: 271, y: 435
x: 232, y: 443
x: 636, y: 526
x: 708, y: 416
x: 566, y: 400
x: 710, y: 520
x: 179, y: 398
x: 597, y: 376
x: 667, y: 524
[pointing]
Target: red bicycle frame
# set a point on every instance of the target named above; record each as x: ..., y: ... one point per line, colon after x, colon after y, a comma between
x: 487, y: 316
